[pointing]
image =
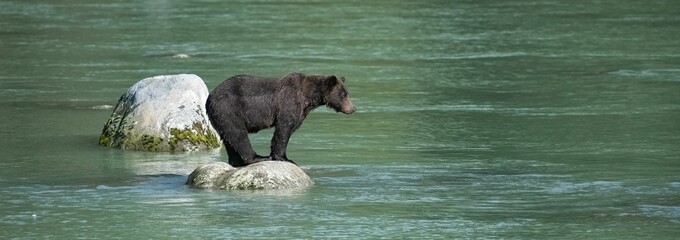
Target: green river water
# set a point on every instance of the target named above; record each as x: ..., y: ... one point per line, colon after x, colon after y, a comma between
x: 476, y: 119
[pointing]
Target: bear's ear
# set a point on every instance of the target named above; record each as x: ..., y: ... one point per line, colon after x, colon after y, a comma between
x: 331, y: 80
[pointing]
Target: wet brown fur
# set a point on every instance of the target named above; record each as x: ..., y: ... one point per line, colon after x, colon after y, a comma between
x: 246, y: 104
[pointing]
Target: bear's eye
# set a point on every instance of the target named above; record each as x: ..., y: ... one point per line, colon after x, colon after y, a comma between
x: 343, y: 94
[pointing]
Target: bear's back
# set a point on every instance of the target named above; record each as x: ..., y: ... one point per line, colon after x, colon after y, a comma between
x: 247, y: 86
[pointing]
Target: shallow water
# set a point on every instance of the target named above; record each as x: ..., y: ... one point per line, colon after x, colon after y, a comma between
x: 492, y: 119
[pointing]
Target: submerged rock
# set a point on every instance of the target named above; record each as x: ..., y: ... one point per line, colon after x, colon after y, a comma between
x: 162, y: 113
x: 266, y: 175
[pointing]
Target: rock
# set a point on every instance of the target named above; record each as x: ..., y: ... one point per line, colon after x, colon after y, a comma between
x: 208, y: 175
x: 162, y: 113
x: 266, y: 175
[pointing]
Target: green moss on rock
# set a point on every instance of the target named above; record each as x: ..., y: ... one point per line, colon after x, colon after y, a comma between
x: 150, y: 143
x: 196, y: 135
x: 104, y: 140
x: 187, y: 139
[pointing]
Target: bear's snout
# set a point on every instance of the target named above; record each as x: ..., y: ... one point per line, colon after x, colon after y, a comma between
x: 349, y: 108
x: 350, y: 111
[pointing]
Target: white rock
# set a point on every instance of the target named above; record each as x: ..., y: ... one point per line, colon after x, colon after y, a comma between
x: 208, y: 176
x: 266, y: 175
x: 162, y: 113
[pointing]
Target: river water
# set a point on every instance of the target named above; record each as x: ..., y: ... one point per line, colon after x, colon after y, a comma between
x: 476, y: 119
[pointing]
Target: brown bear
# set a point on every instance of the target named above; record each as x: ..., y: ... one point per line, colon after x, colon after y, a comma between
x: 246, y: 104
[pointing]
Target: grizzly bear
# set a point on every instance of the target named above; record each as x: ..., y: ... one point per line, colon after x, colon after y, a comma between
x: 246, y: 104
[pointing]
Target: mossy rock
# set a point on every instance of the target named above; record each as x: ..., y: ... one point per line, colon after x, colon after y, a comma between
x: 162, y: 113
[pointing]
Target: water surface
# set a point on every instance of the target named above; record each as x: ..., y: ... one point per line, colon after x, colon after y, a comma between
x: 477, y: 119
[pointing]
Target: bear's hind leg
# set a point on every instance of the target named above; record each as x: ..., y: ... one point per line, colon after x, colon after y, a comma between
x: 235, y: 159
x: 240, y: 151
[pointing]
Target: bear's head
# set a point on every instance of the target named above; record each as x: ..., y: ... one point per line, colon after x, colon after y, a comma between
x: 336, y: 95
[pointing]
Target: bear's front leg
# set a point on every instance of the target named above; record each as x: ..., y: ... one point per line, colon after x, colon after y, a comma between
x: 285, y: 159
x: 280, y: 143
